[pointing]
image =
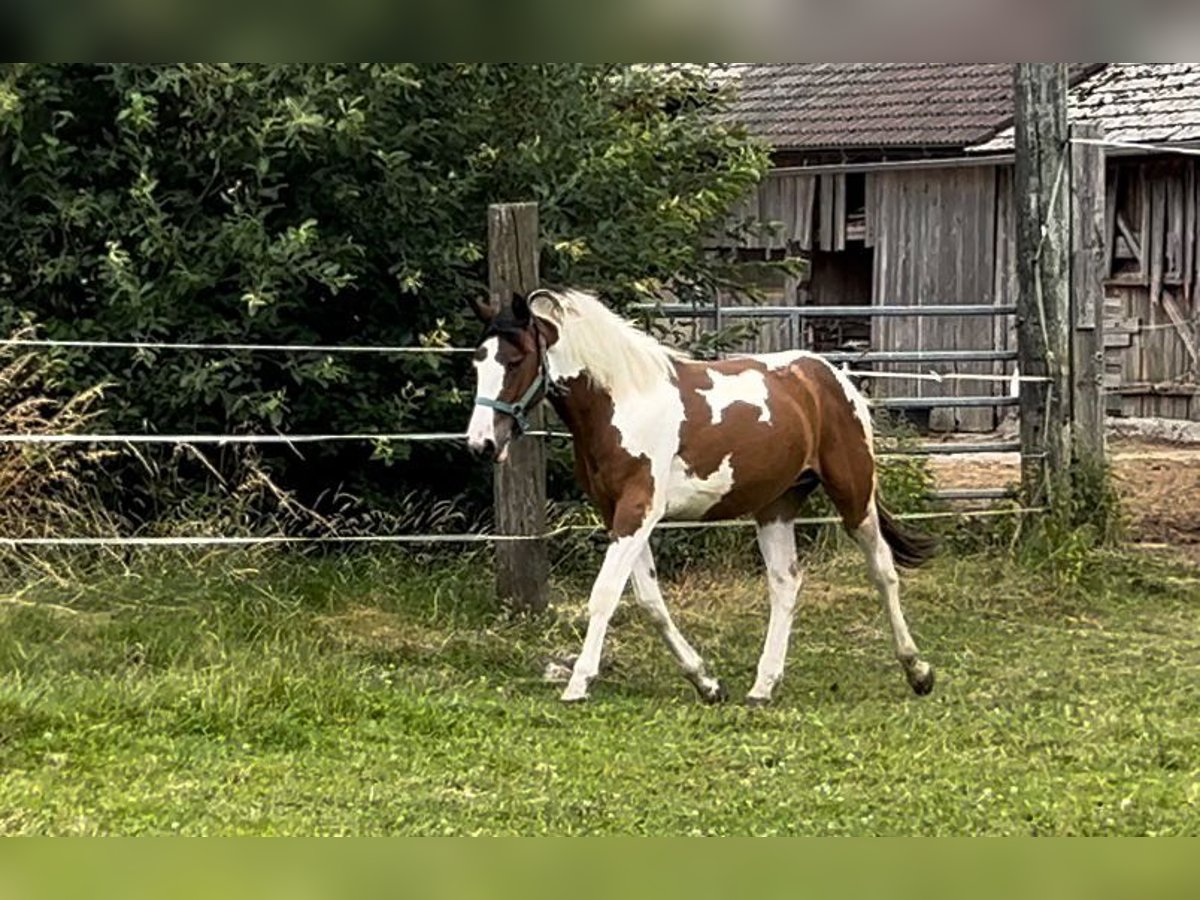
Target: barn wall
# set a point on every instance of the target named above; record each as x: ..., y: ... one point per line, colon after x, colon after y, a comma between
x: 1153, y: 321
x: 934, y: 234
x: 787, y: 205
x: 947, y: 235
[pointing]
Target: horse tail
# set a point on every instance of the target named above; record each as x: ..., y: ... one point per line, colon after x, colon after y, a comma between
x: 909, y: 548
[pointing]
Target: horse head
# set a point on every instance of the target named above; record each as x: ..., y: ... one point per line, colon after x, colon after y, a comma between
x: 510, y: 372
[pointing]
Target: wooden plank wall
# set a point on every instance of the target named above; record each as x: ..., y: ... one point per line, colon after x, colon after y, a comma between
x: 1154, y: 324
x: 946, y: 235
x: 788, y: 201
x: 935, y: 244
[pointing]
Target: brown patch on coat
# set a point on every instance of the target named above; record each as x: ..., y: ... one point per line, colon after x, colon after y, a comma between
x: 812, y: 429
x: 619, y: 483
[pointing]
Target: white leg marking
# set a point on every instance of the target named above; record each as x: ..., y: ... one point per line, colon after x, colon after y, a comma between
x: 777, y: 543
x: 645, y: 588
x: 882, y: 570
x: 606, y: 594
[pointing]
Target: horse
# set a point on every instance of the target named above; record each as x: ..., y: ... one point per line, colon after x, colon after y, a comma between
x: 662, y: 436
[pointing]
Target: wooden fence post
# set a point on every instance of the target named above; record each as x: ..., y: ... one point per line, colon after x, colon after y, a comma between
x: 1089, y: 258
x: 519, y: 485
x: 1042, y: 188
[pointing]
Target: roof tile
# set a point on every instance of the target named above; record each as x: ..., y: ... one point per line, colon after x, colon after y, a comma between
x: 826, y: 105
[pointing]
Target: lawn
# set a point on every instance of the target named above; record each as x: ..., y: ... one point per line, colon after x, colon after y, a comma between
x: 380, y: 694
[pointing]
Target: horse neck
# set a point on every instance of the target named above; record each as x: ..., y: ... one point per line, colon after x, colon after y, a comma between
x: 586, y: 409
x: 578, y: 403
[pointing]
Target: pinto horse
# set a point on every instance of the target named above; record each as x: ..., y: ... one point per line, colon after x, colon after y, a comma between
x: 660, y: 436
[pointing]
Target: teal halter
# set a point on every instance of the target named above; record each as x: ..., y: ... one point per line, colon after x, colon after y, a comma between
x: 522, y: 406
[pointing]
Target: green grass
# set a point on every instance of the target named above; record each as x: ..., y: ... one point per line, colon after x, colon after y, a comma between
x: 267, y: 694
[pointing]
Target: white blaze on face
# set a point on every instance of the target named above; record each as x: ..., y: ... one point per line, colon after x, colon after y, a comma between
x: 748, y: 386
x: 489, y: 379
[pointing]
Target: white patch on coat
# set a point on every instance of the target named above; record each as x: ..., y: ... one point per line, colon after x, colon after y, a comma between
x: 649, y: 424
x: 489, y: 380
x: 635, y: 370
x: 690, y: 497
x: 780, y: 359
x: 749, y: 387
x: 785, y: 358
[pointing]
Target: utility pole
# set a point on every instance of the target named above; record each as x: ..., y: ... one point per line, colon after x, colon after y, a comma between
x: 1042, y: 188
x: 1089, y: 265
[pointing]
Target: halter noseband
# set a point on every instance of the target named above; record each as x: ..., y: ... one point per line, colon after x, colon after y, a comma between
x: 522, y: 406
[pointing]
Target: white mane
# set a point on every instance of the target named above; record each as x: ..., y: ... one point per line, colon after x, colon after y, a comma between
x: 614, y: 353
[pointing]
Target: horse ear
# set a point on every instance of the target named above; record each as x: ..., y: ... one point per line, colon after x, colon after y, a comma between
x: 545, y: 305
x: 520, y: 308
x: 485, y: 307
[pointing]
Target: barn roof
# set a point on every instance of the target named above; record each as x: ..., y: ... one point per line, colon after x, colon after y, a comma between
x: 1154, y: 103
x: 877, y: 106
x: 812, y: 106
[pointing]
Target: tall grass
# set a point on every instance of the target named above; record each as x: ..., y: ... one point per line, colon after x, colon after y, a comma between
x: 45, y: 487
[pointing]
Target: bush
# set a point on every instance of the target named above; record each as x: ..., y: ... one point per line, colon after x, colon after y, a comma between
x: 332, y: 204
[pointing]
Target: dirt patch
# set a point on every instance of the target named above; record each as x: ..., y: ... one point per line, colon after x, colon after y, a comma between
x: 1159, y: 486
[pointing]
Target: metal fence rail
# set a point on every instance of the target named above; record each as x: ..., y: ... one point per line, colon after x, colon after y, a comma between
x: 718, y: 314
x: 688, y: 311
x: 674, y: 311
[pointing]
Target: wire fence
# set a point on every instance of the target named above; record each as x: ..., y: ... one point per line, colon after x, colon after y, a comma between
x: 34, y: 438
x: 460, y: 538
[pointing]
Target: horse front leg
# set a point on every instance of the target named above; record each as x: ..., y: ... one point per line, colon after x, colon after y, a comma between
x: 646, y: 589
x: 610, y: 583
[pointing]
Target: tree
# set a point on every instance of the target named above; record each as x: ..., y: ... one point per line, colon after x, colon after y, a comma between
x: 335, y: 203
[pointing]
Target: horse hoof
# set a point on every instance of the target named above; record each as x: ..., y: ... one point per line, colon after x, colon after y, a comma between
x: 753, y: 702
x: 573, y: 693
x: 714, y: 693
x: 921, y: 678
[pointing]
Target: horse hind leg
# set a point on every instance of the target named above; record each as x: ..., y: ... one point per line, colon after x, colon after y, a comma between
x: 881, y: 567
x: 849, y: 480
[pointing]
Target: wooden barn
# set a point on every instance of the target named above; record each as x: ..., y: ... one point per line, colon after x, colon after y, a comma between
x: 893, y: 181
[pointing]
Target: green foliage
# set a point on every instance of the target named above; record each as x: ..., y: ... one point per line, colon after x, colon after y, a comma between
x: 334, y: 204
x: 1085, y: 518
x: 905, y: 482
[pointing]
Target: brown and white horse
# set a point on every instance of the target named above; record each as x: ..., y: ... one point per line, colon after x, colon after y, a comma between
x: 660, y: 436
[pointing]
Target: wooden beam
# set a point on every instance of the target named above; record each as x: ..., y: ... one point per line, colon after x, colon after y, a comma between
x: 1182, y: 327
x: 1088, y: 269
x: 1042, y: 188
x: 519, y: 485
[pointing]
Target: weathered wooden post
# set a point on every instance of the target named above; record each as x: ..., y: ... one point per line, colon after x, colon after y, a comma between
x: 1042, y: 188
x: 519, y: 485
x: 1089, y: 257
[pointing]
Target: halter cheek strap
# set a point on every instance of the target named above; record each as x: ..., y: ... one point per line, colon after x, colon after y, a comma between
x: 522, y: 406
x: 517, y: 410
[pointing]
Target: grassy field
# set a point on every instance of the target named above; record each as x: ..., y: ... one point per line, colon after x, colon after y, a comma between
x: 268, y: 694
